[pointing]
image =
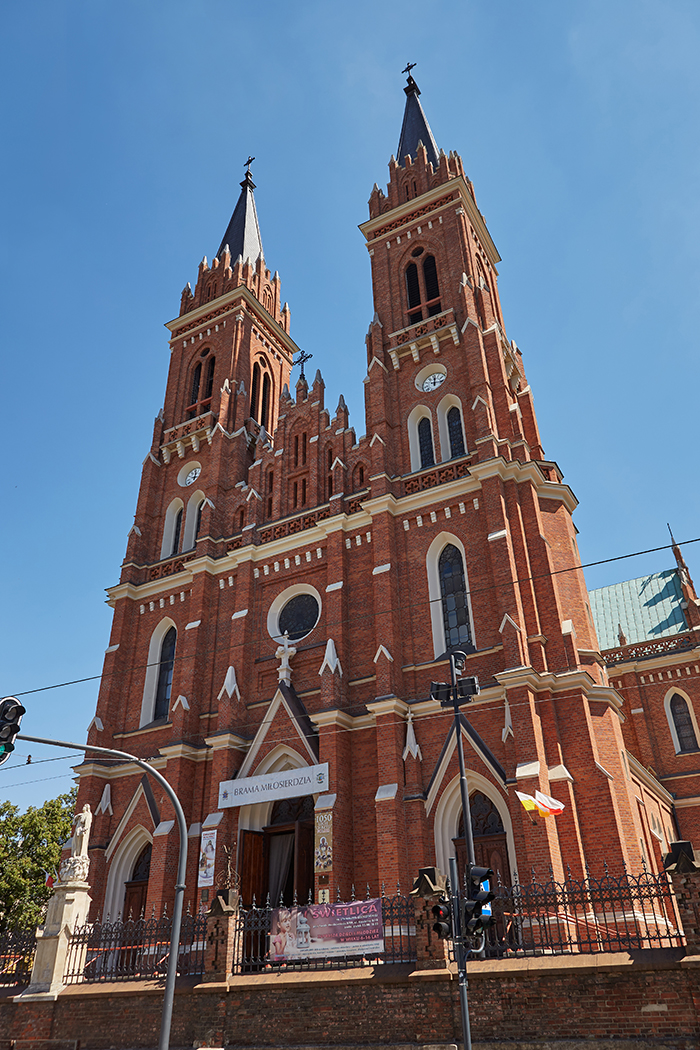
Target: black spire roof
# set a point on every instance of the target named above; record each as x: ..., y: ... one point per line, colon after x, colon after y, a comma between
x: 243, y: 232
x: 415, y: 128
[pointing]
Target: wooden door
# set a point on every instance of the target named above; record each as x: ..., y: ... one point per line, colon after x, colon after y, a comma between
x: 135, y: 900
x: 304, y: 861
x: 252, y: 867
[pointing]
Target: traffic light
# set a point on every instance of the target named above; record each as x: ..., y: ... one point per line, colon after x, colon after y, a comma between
x: 476, y: 908
x: 11, y: 712
x: 443, y: 919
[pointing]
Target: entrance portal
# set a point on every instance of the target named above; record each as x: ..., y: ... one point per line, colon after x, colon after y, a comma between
x: 490, y: 846
x: 136, y: 889
x: 277, y: 862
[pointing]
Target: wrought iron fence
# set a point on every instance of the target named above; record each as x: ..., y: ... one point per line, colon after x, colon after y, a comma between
x: 17, y: 948
x: 122, y: 951
x: 253, y: 935
x: 608, y: 914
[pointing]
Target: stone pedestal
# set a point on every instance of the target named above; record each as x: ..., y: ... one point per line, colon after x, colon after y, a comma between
x: 67, y: 909
x: 431, y: 952
x: 222, y: 919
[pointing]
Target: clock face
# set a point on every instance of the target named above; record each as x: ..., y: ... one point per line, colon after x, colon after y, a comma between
x: 193, y: 475
x: 432, y: 382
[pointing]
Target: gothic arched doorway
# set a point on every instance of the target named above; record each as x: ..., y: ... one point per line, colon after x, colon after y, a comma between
x: 136, y: 889
x: 490, y: 846
x: 278, y: 860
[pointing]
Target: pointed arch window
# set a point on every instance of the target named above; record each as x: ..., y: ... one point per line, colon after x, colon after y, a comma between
x: 165, y: 675
x: 413, y: 292
x: 329, y: 478
x: 254, y: 390
x: 455, y: 432
x: 685, y: 730
x: 198, y: 521
x: 425, y: 443
x: 453, y: 592
x: 265, y: 406
x: 422, y: 289
x: 201, y: 386
x: 177, y: 531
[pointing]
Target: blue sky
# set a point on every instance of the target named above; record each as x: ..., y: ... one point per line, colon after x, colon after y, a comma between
x: 125, y: 130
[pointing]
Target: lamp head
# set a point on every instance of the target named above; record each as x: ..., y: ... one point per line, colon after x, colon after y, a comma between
x: 460, y: 660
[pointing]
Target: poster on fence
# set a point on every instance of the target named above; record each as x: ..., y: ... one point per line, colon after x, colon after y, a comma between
x: 207, y: 857
x: 327, y: 931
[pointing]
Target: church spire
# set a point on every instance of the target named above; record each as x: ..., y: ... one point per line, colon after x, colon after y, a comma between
x: 415, y: 127
x: 243, y: 232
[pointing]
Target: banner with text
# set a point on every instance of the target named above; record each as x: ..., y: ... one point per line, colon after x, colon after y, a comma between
x: 290, y: 783
x: 327, y: 930
x: 323, y: 842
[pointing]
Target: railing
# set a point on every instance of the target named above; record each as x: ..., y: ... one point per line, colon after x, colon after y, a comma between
x: 609, y: 914
x: 649, y: 649
x: 122, y: 951
x: 17, y: 948
x: 254, y: 953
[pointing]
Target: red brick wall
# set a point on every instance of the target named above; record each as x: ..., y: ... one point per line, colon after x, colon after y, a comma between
x: 650, y: 1001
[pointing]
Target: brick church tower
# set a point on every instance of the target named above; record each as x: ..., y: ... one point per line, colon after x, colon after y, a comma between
x: 289, y: 590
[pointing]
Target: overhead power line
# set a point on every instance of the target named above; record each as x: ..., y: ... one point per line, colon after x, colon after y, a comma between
x: 472, y: 593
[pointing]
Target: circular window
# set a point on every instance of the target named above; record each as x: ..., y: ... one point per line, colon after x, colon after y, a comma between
x: 299, y: 616
x: 296, y: 610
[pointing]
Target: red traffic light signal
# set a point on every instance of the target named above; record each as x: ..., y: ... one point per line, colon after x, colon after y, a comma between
x: 11, y: 712
x: 443, y: 919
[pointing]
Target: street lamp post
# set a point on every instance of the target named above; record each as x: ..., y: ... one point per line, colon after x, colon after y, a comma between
x: 450, y: 696
x: 169, y: 994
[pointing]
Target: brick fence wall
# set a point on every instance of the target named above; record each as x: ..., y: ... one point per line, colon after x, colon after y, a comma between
x: 650, y: 998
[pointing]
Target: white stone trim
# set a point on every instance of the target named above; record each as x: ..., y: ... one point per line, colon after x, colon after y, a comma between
x: 669, y: 717
x: 153, y: 666
x: 432, y: 559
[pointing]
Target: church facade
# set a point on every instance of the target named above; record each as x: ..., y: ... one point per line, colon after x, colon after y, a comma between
x: 290, y: 590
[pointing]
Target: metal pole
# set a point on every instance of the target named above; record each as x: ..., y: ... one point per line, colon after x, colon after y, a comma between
x: 461, y: 954
x: 463, y: 785
x: 169, y: 994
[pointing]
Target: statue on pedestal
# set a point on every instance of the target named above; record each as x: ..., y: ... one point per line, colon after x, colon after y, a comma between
x: 76, y: 867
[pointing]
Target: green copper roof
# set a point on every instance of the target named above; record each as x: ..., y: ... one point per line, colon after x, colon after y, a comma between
x: 646, y: 608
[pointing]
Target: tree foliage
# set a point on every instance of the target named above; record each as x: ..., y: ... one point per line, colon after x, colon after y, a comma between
x: 30, y: 846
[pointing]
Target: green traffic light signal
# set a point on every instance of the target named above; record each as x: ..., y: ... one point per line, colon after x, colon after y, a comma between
x: 476, y: 908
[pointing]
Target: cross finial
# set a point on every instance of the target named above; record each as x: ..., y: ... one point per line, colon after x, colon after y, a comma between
x: 409, y: 67
x: 301, y: 359
x: 248, y: 163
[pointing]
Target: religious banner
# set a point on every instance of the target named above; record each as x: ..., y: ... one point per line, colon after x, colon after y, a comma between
x: 327, y: 931
x: 207, y: 858
x: 323, y: 842
x: 290, y: 783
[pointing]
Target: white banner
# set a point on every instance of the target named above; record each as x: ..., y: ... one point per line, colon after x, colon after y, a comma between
x: 207, y: 857
x: 290, y: 783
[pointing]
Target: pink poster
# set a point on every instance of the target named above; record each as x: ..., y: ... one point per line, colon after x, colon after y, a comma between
x: 326, y: 931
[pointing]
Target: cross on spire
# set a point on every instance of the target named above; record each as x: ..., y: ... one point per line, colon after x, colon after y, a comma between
x: 409, y: 67
x: 301, y: 359
x: 248, y: 163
